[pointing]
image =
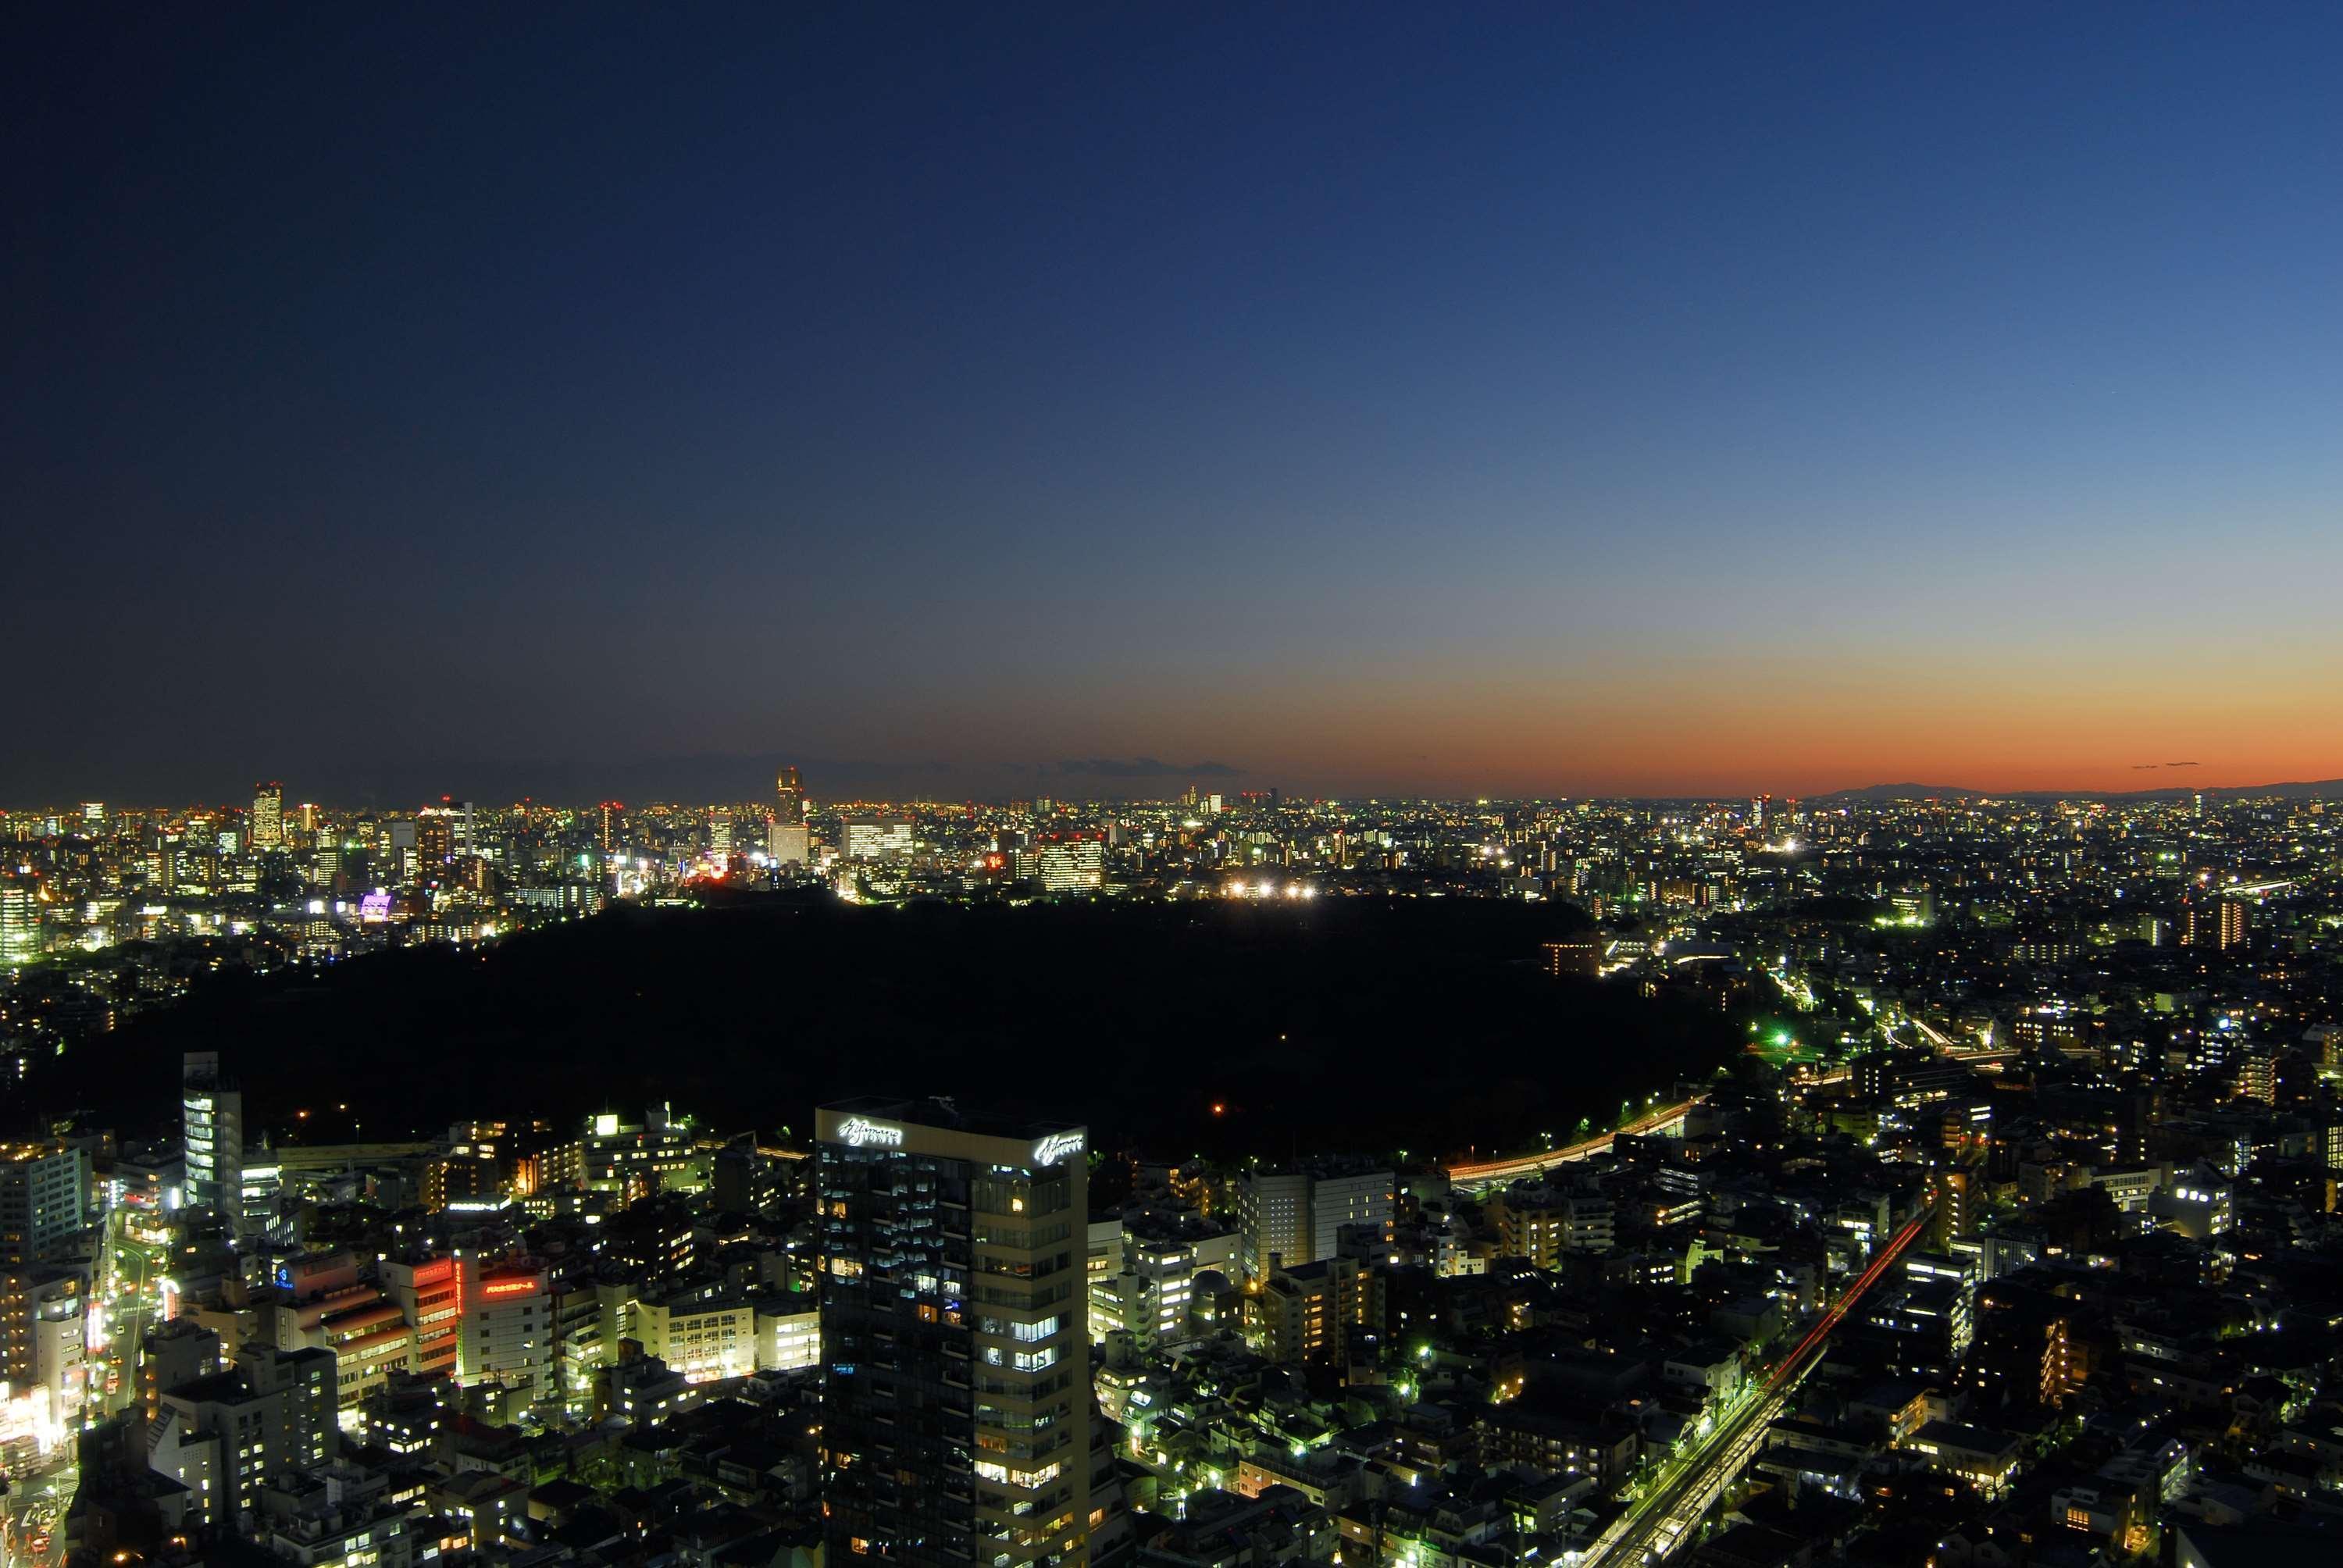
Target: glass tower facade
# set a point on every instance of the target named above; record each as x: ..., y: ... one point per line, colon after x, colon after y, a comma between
x: 212, y: 1111
x: 956, y: 1386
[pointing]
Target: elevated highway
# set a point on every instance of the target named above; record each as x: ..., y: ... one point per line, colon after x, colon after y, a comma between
x: 1488, y: 1173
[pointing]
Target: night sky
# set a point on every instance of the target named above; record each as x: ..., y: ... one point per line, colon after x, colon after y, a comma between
x: 975, y: 401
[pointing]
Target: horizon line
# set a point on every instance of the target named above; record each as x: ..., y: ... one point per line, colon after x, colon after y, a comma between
x: 1880, y: 793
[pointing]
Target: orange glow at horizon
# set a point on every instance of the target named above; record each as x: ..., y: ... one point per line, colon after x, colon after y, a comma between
x: 2017, y: 723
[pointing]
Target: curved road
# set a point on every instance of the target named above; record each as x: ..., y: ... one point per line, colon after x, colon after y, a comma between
x: 1489, y: 1173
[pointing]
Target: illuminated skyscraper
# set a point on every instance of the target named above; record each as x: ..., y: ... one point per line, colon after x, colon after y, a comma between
x: 213, y: 1113
x: 612, y: 824
x: 956, y: 1402
x: 267, y: 817
x: 20, y: 923
x: 435, y: 842
x: 789, y: 839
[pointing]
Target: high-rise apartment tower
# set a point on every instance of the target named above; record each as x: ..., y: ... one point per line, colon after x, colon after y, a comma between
x: 956, y: 1402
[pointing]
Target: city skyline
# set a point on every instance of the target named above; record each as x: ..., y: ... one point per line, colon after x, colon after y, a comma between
x: 1615, y: 403
x: 722, y: 781
x: 1172, y: 787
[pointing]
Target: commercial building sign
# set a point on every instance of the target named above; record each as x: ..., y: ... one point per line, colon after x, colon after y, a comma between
x: 1056, y: 1147
x: 861, y: 1133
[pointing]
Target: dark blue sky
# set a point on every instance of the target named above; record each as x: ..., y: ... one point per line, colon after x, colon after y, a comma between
x: 1553, y: 399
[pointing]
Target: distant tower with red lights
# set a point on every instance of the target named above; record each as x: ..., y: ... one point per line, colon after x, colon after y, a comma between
x: 790, y: 837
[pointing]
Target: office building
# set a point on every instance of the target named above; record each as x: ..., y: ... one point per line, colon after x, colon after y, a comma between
x: 20, y: 923
x: 789, y: 843
x: 954, y: 1335
x: 1362, y: 1198
x: 788, y: 1331
x: 213, y: 1111
x: 431, y: 1296
x: 267, y: 817
x: 435, y: 842
x: 1072, y: 865
x: 701, y: 1340
x: 627, y: 1160
x: 398, y: 848
x: 44, y: 1200
x: 875, y: 837
x: 1273, y: 1220
x: 505, y: 1326
x: 1298, y: 1216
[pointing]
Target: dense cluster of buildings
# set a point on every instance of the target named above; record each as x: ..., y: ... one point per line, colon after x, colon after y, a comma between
x: 2012, y: 1239
x: 104, y: 910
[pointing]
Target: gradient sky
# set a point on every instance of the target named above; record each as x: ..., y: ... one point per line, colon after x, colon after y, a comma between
x: 1555, y: 399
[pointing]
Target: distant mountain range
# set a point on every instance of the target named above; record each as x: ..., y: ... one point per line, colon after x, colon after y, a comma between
x: 2324, y: 788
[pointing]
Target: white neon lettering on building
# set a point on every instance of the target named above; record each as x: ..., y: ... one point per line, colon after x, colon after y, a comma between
x: 1056, y: 1147
x: 859, y: 1133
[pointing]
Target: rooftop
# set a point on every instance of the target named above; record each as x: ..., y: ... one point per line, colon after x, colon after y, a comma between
x: 939, y: 1110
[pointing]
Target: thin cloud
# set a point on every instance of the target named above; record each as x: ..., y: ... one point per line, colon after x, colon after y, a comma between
x: 1143, y: 767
